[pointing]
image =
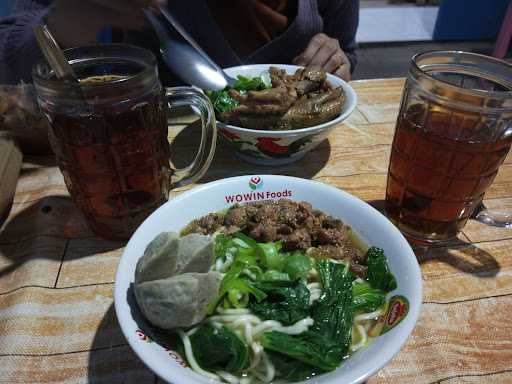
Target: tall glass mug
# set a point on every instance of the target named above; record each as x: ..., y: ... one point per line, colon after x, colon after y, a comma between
x: 110, y: 138
x: 454, y: 130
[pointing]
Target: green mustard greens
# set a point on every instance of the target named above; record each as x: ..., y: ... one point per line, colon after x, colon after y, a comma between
x: 223, y: 102
x: 366, y: 298
x: 327, y: 342
x: 219, y: 348
x: 262, y: 280
x: 333, y: 312
x: 308, y: 347
x: 286, y: 301
x: 379, y: 275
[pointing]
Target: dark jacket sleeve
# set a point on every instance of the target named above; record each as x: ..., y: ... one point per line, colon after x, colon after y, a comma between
x: 18, y: 47
x: 341, y: 19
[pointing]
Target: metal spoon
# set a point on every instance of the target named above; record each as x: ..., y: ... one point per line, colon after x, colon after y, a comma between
x: 58, y: 62
x: 54, y: 54
x: 185, y: 57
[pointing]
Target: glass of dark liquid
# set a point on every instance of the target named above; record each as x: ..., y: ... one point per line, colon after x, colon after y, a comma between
x: 109, y: 134
x: 454, y: 130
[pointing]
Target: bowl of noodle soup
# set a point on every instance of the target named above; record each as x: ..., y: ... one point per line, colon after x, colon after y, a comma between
x: 171, y: 357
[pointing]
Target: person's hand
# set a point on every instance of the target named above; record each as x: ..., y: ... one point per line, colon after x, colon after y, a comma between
x: 77, y: 22
x: 325, y: 52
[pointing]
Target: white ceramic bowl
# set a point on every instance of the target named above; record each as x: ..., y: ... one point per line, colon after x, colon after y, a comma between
x: 265, y: 147
x: 372, y: 227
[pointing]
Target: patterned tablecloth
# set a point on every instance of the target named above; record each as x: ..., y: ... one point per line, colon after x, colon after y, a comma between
x: 57, y: 321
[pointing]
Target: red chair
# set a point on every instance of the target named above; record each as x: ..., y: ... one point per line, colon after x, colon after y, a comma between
x: 505, y: 35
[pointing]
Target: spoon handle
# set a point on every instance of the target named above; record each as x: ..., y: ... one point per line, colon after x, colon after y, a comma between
x: 54, y: 54
x: 183, y: 32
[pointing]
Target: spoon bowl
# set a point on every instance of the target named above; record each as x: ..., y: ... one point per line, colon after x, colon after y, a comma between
x: 185, y: 57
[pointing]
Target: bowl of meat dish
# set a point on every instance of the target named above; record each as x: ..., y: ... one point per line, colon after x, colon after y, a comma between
x: 275, y: 114
x: 260, y: 279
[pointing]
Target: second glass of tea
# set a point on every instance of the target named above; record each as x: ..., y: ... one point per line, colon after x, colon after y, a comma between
x: 454, y: 130
x: 110, y: 134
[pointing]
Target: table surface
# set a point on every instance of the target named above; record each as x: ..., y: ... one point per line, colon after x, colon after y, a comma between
x: 57, y: 321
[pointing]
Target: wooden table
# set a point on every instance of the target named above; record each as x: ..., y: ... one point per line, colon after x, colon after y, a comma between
x: 57, y: 322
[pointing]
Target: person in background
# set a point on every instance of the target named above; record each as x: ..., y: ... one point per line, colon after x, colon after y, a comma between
x: 232, y: 32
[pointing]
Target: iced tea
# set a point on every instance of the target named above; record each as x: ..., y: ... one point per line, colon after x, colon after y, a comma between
x: 109, y: 134
x: 453, y: 132
x: 435, y: 182
x: 115, y: 161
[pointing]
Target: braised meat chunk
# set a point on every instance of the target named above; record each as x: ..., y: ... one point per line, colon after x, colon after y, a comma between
x: 205, y: 225
x: 296, y: 224
x: 313, y: 109
x: 259, y: 108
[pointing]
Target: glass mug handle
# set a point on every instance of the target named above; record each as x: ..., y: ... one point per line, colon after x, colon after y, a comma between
x: 187, y: 96
x: 494, y: 218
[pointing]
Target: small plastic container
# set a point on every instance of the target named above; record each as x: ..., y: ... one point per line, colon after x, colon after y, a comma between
x: 21, y: 117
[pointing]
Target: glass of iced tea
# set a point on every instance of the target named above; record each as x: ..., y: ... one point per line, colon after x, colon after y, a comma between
x: 454, y: 130
x: 109, y: 134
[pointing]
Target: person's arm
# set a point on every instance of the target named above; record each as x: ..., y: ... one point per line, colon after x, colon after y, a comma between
x: 334, y: 49
x: 72, y: 23
x: 18, y: 46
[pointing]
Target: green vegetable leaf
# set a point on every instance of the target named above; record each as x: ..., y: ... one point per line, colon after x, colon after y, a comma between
x: 249, y: 84
x: 222, y: 245
x: 238, y: 290
x: 246, y: 241
x: 367, y: 298
x: 255, y: 271
x: 234, y: 288
x: 271, y: 257
x: 297, y: 265
x: 247, y: 256
x: 286, y: 301
x: 379, y: 276
x: 220, y: 348
x: 327, y: 342
x: 222, y: 101
x: 290, y: 369
x: 273, y: 275
x: 333, y: 313
x: 309, y: 348
x: 268, y: 253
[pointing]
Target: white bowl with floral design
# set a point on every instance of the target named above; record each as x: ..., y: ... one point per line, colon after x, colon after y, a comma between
x: 263, y: 147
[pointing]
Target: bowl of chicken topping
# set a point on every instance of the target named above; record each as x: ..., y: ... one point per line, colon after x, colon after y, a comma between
x: 275, y: 114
